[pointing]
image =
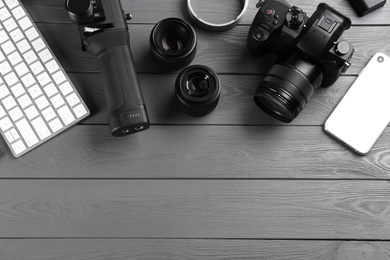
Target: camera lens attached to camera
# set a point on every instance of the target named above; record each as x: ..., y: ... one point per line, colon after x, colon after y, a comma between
x: 173, y: 43
x: 197, y: 90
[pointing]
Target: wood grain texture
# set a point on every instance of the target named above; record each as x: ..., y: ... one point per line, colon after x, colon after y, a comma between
x: 177, y: 249
x: 145, y: 11
x: 207, y: 152
x: 225, y: 52
x: 245, y: 209
x: 236, y: 105
x: 235, y: 184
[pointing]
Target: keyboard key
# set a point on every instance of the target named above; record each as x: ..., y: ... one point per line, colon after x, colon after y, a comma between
x: 5, y: 67
x: 4, y: 91
x: 66, y: 88
x: 57, y: 101
x: 35, y: 91
x: 45, y: 55
x: 28, y: 80
x: 80, y: 111
x: 43, y: 78
x: 25, y: 23
x: 56, y: 125
x: 5, y: 123
x: 16, y: 35
x: 18, y: 12
x: 11, y: 79
x: 23, y: 46
x: 38, y: 44
x: 27, y: 132
x: 24, y: 101
x: 41, y: 128
x: 11, y: 3
x: 18, y: 90
x: 49, y: 114
x: 30, y: 57
x: 72, y: 99
x: 3, y: 36
x: 21, y: 69
x: 9, y: 136
x: 16, y: 114
x: 31, y: 33
x: 8, y: 47
x: 9, y: 102
x: 52, y: 66
x: 2, y: 112
x: 4, y: 14
x: 37, y: 67
x: 59, y: 77
x: 10, y: 24
x: 18, y: 147
x: 50, y: 90
x: 15, y: 58
x: 31, y: 112
x: 66, y: 115
x: 42, y: 102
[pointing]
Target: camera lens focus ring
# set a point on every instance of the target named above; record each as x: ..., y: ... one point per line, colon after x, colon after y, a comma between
x: 173, y: 43
x: 197, y: 90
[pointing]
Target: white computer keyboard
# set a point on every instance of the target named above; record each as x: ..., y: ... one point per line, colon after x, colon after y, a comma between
x: 37, y: 99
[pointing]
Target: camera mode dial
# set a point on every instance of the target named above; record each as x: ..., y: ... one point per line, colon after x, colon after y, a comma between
x: 295, y: 18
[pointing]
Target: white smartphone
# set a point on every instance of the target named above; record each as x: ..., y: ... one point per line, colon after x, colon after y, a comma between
x: 364, y: 112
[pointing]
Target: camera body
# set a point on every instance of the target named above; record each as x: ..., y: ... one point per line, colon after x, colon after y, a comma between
x: 104, y: 33
x: 311, y: 46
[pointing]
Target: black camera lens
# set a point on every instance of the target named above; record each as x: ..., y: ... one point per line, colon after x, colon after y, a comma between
x: 288, y: 86
x: 79, y: 10
x: 173, y: 43
x: 197, y: 90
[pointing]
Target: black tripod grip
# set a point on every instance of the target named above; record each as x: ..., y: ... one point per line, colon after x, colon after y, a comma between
x: 126, y: 108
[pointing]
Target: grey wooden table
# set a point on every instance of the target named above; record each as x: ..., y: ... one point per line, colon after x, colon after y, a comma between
x: 235, y: 184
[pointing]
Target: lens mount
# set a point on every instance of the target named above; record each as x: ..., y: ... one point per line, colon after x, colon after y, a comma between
x: 197, y: 90
x: 173, y: 43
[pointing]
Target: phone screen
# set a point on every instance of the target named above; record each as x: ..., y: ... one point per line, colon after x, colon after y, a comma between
x: 364, y: 112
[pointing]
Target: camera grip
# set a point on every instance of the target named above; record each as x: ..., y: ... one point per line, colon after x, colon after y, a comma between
x: 126, y: 108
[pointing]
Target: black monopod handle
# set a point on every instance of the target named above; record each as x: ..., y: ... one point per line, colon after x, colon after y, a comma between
x: 126, y: 107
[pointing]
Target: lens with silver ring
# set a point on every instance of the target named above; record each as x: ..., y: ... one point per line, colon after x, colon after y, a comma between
x: 212, y: 26
x: 197, y: 90
x: 173, y: 43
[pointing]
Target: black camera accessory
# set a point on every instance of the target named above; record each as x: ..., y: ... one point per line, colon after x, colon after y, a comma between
x: 197, y: 90
x: 173, y: 43
x: 104, y: 33
x: 363, y: 7
x: 216, y: 27
x: 311, y: 53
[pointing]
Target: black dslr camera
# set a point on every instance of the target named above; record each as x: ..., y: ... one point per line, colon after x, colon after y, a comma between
x: 104, y: 33
x: 311, y: 54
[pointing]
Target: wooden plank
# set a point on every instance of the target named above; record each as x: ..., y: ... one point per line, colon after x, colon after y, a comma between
x: 175, y: 249
x: 236, y: 105
x: 247, y: 209
x: 208, y: 152
x: 224, y: 53
x: 145, y: 11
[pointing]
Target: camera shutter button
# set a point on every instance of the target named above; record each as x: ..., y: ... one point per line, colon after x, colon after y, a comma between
x: 342, y: 48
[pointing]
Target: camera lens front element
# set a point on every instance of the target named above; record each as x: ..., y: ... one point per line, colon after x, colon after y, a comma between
x: 288, y: 86
x: 197, y: 90
x: 173, y: 43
